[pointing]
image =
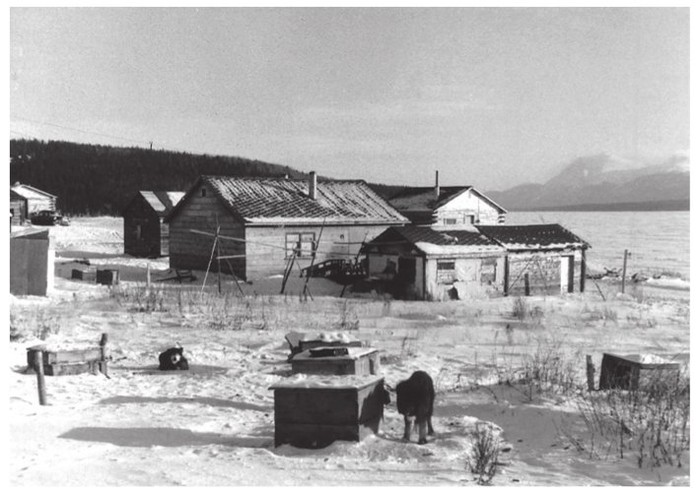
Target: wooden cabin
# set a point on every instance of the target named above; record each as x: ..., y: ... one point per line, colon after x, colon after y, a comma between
x: 145, y: 232
x: 541, y: 259
x: 35, y: 200
x: 449, y: 207
x: 419, y: 262
x: 268, y: 224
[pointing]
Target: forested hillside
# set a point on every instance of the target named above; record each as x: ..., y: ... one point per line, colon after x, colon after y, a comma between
x: 92, y: 179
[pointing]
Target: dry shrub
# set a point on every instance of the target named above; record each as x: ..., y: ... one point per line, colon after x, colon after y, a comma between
x: 651, y: 422
x: 483, y: 457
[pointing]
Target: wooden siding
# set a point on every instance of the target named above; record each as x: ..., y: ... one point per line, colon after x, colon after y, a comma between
x: 472, y: 277
x: 17, y: 209
x: 142, y: 236
x: 189, y: 250
x: 463, y: 208
x: 35, y: 204
x: 544, y: 273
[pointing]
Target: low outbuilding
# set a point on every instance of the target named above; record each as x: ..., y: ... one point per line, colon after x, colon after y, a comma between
x: 541, y: 258
x: 145, y: 232
x: 31, y: 262
x: 419, y: 262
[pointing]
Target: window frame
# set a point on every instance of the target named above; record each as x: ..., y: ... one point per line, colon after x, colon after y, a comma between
x: 446, y: 275
x: 304, y: 242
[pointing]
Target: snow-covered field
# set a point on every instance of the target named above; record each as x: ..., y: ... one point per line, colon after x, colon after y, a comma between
x: 214, y: 425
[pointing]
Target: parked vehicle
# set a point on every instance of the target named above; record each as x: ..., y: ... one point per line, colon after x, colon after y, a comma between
x: 48, y: 217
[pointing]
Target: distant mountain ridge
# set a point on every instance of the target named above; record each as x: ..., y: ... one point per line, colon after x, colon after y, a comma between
x: 605, y: 182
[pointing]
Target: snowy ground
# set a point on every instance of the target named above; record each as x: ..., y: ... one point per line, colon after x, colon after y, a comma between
x: 214, y: 425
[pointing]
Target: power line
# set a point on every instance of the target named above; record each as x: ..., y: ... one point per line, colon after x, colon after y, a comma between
x: 65, y: 127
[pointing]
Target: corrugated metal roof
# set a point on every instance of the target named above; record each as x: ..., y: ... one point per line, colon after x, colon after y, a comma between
x: 529, y: 237
x: 280, y: 200
x: 162, y: 202
x: 29, y: 192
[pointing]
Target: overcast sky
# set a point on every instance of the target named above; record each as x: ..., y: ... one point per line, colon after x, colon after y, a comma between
x: 491, y: 97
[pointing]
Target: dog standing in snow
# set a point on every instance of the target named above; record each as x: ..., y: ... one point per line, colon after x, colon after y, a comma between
x: 414, y: 400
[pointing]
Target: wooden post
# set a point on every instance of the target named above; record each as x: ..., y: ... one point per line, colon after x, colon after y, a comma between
x: 39, y: 368
x: 148, y: 275
x: 624, y: 271
x: 103, y: 353
x: 527, y: 284
x: 590, y: 373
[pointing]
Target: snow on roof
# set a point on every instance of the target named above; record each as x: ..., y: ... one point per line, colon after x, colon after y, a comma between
x: 162, y: 202
x: 29, y: 192
x: 533, y: 237
x: 433, y: 241
x: 354, y: 352
x: 271, y: 200
x: 351, y: 381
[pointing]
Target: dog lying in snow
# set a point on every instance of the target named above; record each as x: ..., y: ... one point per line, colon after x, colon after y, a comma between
x: 173, y: 359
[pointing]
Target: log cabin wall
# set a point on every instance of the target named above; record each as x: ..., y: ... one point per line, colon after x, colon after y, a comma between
x: 189, y: 250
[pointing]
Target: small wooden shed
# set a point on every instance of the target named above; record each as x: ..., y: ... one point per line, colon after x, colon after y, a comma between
x: 145, y: 232
x: 35, y: 199
x: 31, y: 262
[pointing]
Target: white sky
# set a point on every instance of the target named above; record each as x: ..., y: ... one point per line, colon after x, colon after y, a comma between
x: 492, y: 97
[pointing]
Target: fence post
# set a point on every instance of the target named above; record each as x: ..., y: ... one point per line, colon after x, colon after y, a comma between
x: 624, y: 271
x: 527, y: 284
x: 39, y: 368
x: 590, y: 373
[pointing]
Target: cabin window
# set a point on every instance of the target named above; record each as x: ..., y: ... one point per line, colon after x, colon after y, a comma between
x: 450, y: 221
x: 138, y: 232
x: 204, y: 192
x: 301, y: 243
x: 446, y: 272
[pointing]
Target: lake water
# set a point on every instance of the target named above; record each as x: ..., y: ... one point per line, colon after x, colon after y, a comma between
x: 658, y: 240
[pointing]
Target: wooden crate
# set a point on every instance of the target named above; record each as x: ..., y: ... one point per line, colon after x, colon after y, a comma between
x: 107, y: 277
x: 84, y: 274
x: 68, y: 362
x: 298, y: 342
x: 359, y: 361
x: 313, y: 413
x: 630, y: 371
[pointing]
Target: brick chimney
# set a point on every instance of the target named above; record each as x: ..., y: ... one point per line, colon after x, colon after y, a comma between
x: 312, y: 185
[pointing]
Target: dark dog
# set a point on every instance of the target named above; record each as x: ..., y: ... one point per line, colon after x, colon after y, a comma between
x: 173, y: 359
x: 414, y: 399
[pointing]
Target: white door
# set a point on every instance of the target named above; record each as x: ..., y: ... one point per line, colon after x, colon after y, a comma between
x: 565, y: 260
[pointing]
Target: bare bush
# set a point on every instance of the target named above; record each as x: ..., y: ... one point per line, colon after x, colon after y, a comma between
x: 651, y: 422
x: 483, y: 457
